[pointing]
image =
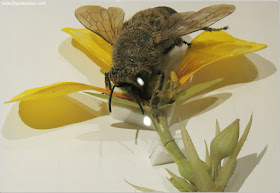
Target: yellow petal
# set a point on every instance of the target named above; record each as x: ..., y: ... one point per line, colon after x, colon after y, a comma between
x: 209, y: 47
x: 94, y: 46
x: 57, y: 112
x: 59, y: 89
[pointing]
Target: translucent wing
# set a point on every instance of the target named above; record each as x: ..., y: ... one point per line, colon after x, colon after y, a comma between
x: 105, y: 22
x: 184, y: 23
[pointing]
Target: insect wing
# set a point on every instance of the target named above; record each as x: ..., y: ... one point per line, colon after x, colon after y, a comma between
x: 180, y: 24
x: 116, y: 17
x: 174, y: 23
x: 105, y: 22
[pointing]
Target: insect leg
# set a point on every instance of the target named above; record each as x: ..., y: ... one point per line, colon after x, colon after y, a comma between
x: 170, y: 44
x: 131, y: 90
x: 159, y: 85
x: 138, y: 102
x: 215, y: 29
x: 189, y: 44
x: 107, y: 81
x: 160, y: 80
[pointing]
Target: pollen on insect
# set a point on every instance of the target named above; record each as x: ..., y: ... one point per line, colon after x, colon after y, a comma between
x: 147, y: 121
x: 140, y: 81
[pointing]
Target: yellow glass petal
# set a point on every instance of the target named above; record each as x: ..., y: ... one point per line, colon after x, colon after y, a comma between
x: 59, y: 89
x: 57, y: 112
x: 94, y: 46
x: 209, y: 47
x: 54, y: 90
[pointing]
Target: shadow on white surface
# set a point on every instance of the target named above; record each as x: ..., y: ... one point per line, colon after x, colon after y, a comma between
x: 136, y: 127
x: 265, y: 68
x: 198, y: 106
x: 79, y: 60
x: 243, y: 169
x: 125, y: 125
x: 108, y: 134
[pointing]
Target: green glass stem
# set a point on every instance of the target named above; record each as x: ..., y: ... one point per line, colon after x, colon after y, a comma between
x: 160, y: 122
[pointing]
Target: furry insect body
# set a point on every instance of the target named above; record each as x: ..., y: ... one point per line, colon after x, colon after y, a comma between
x: 136, y: 53
x: 141, y: 43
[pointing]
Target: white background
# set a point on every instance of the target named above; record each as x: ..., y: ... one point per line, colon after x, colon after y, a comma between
x: 95, y: 155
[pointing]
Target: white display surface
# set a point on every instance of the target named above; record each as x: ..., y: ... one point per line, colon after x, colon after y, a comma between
x: 98, y: 154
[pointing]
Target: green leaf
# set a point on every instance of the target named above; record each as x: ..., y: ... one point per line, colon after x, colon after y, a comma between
x: 218, y: 130
x: 207, y: 156
x: 226, y: 170
x: 202, y: 178
x: 185, y: 169
x: 166, y: 106
x: 142, y: 189
x: 187, y: 93
x: 182, y: 182
x: 176, y: 185
x: 114, y: 99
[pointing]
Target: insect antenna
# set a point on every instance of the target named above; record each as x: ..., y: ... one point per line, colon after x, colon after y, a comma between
x: 138, y: 102
x: 110, y: 99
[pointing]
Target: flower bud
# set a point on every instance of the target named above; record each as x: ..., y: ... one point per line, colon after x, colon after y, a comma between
x: 223, y: 145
